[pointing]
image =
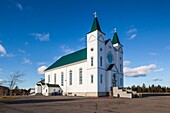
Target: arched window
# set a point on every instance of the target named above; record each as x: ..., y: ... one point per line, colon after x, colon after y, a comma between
x: 114, y: 80
x: 91, y: 61
x: 92, y: 79
x: 101, y: 61
x: 62, y: 79
x: 120, y: 67
x: 70, y: 80
x: 80, y: 76
x: 100, y: 49
x: 101, y: 78
x: 54, y: 78
x: 121, y: 81
x: 48, y: 78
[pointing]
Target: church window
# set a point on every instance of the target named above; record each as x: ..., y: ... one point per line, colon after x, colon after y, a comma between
x: 100, y: 49
x: 92, y: 79
x: 48, y: 78
x: 91, y: 49
x: 120, y: 67
x: 101, y: 61
x: 101, y: 78
x: 80, y: 76
x: 70, y: 81
x: 62, y: 79
x: 91, y: 61
x: 54, y: 78
x: 121, y: 81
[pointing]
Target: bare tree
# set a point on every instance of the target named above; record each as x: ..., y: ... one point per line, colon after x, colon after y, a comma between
x: 14, y: 79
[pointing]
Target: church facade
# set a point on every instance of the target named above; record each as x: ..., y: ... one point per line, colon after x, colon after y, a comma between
x: 92, y: 71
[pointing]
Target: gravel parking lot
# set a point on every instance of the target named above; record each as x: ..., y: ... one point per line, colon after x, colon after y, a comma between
x: 62, y: 104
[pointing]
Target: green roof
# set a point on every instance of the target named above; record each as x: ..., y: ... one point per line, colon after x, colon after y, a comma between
x: 95, y: 25
x: 41, y: 82
x: 115, y: 39
x: 52, y: 85
x: 70, y: 58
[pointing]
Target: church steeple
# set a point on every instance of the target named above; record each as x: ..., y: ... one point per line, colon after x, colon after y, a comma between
x: 95, y: 25
x: 115, y: 39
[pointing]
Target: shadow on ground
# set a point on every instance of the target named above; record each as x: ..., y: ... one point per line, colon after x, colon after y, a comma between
x: 154, y: 94
x: 36, y: 101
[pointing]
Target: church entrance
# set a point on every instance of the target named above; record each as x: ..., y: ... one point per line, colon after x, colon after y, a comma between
x: 114, y: 80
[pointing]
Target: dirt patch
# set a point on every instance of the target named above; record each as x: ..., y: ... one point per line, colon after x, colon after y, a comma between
x: 158, y: 104
x: 8, y: 98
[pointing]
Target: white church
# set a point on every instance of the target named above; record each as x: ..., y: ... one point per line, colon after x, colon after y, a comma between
x: 92, y: 71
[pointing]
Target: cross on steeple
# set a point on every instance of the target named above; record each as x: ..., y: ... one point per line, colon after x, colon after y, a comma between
x: 95, y: 14
x: 115, y: 30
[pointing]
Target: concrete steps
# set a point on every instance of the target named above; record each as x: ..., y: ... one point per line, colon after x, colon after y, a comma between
x: 120, y: 92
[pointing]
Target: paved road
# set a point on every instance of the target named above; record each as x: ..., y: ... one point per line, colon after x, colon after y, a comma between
x: 59, y: 104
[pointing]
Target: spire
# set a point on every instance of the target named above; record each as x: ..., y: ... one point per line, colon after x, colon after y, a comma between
x: 95, y: 25
x: 115, y: 38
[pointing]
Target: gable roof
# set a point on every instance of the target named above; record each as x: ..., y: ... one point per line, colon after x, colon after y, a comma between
x: 70, y: 58
x: 4, y: 87
x: 107, y: 41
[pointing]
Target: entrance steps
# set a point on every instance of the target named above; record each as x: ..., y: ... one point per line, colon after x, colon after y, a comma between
x: 120, y: 92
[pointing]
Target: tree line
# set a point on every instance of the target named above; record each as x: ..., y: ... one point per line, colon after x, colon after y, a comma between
x: 18, y: 91
x: 151, y: 89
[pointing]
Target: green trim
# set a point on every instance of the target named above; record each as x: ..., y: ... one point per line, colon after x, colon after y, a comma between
x: 70, y: 58
x: 52, y: 85
x: 115, y: 39
x: 41, y: 82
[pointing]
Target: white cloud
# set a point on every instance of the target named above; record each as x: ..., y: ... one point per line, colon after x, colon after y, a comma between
x: 126, y: 63
x: 19, y: 6
x: 132, y: 36
x: 21, y: 51
x: 66, y: 49
x: 168, y: 48
x: 41, y: 69
x: 41, y: 36
x: 57, y: 57
x: 2, y: 50
x: 0, y: 70
x: 26, y: 43
x: 156, y: 79
x: 132, y: 32
x: 41, y: 63
x: 26, y: 61
x: 152, y: 53
x: 158, y: 70
x: 10, y: 55
x: 82, y: 39
x: 1, y: 81
x: 138, y: 71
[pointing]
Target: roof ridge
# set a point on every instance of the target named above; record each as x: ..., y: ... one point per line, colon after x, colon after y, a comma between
x: 69, y: 58
x: 74, y: 52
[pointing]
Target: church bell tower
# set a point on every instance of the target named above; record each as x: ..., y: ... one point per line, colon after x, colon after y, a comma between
x: 95, y: 58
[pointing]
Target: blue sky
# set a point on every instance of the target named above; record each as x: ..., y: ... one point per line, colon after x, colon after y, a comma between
x: 34, y: 33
